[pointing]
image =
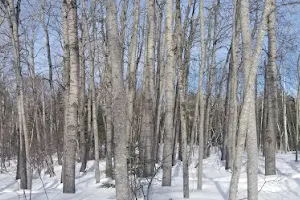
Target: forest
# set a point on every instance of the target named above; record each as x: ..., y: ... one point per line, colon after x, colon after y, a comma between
x: 149, y: 99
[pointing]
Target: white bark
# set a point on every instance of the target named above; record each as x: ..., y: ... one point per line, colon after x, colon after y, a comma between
x: 247, y: 123
x: 91, y: 52
x: 66, y: 72
x: 169, y: 85
x: 211, y: 70
x: 14, y: 31
x: 284, y: 110
x: 201, y: 100
x: 72, y: 116
x: 119, y: 103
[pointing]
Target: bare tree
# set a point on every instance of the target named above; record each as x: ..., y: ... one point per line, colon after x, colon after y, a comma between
x: 91, y: 52
x: 119, y: 103
x: 160, y: 83
x: 272, y: 121
x: 13, y: 10
x: 182, y: 92
x: 66, y: 70
x: 147, y: 129
x: 52, y: 104
x: 132, y: 67
x: 247, y: 122
x: 169, y: 86
x: 232, y: 114
x: 108, y: 103
x: 72, y: 116
x: 208, y: 103
x: 82, y: 104
x: 201, y: 99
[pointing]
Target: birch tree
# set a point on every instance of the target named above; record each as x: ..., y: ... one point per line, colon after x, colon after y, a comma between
x: 82, y: 106
x: 160, y: 83
x: 247, y: 122
x: 232, y: 114
x: 52, y: 104
x: 66, y: 72
x: 147, y: 129
x: 72, y: 116
x: 119, y: 103
x: 211, y: 70
x: 284, y: 110
x: 272, y: 121
x: 108, y: 102
x: 91, y: 52
x: 182, y: 92
x: 169, y: 87
x: 201, y: 99
x: 131, y: 72
x: 13, y: 10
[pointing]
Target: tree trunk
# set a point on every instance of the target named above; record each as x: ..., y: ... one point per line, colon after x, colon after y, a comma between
x: 72, y: 125
x: 66, y: 73
x: 176, y: 125
x: 169, y: 84
x: 108, y: 103
x: 159, y: 79
x: 92, y: 83
x: 285, y: 130
x: 131, y: 72
x: 2, y: 141
x: 81, y: 111
x: 14, y: 31
x: 247, y: 122
x: 22, y: 159
x: 89, y: 124
x: 271, y: 132
x: 186, y: 60
x: 109, y: 127
x: 265, y: 110
x: 297, y: 111
x: 201, y: 100
x: 123, y: 27
x: 147, y: 128
x: 181, y: 88
x: 209, y: 87
x: 52, y: 104
x: 233, y: 84
x: 119, y: 103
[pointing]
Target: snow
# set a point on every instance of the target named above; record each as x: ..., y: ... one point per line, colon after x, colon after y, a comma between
x: 284, y: 185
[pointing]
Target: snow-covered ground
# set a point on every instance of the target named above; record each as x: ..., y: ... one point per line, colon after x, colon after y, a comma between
x: 285, y: 185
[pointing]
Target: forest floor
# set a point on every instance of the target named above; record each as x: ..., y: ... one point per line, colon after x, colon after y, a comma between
x: 284, y: 185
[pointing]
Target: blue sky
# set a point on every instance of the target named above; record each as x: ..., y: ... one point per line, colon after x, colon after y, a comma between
x: 288, y: 32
